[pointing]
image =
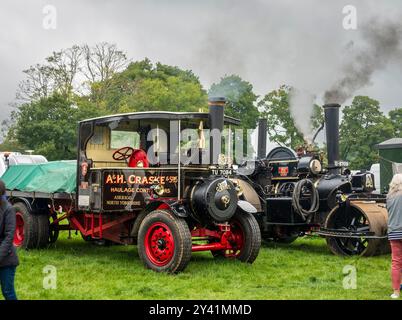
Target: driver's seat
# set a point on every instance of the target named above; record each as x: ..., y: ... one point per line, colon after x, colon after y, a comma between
x: 138, y: 159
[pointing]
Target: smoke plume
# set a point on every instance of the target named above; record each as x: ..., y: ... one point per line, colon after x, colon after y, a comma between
x: 381, y: 45
x: 301, y: 104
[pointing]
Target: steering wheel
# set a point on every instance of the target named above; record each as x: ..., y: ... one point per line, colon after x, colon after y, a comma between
x: 123, y: 153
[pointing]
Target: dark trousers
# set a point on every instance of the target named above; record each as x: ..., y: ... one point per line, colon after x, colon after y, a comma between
x: 7, y: 275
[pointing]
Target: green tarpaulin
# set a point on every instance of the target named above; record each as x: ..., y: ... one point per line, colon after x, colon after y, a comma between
x: 50, y: 177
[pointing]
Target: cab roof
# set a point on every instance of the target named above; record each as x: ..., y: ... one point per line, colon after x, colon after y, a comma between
x: 158, y: 115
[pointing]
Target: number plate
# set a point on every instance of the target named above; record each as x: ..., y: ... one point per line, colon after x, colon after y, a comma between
x: 222, y: 172
x: 341, y: 163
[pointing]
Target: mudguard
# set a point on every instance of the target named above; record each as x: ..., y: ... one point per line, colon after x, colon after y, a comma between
x: 246, y: 206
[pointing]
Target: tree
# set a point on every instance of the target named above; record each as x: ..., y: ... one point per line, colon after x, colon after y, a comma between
x: 396, y: 118
x: 240, y: 99
x: 101, y: 62
x: 64, y: 67
x: 49, y: 126
x: 281, y: 126
x: 8, y: 142
x: 37, y: 84
x: 362, y: 127
x: 143, y: 86
x: 71, y: 70
x: 240, y: 103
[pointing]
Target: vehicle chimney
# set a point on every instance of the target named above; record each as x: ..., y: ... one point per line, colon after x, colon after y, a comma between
x: 331, y: 112
x: 216, y: 120
x: 262, y: 139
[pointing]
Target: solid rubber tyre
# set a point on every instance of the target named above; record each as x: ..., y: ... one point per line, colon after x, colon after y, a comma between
x: 43, y: 230
x: 169, y: 231
x: 30, y: 226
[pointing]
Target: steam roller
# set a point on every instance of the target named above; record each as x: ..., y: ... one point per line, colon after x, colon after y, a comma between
x: 298, y: 192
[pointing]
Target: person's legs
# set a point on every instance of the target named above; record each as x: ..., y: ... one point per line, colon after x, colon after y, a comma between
x: 396, y: 247
x: 7, y: 276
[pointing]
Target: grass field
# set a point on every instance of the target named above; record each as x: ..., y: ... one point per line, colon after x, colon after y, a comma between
x: 302, y: 270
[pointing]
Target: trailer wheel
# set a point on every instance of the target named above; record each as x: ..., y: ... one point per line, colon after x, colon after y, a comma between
x: 26, y: 232
x: 43, y: 230
x: 246, y: 238
x: 164, y: 242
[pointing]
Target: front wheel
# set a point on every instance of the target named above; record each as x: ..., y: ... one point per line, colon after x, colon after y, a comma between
x: 164, y: 242
x: 245, y: 239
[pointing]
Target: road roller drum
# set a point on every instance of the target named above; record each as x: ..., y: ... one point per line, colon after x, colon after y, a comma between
x: 357, y: 228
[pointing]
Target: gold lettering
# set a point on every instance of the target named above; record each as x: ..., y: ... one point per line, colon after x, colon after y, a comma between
x: 109, y: 179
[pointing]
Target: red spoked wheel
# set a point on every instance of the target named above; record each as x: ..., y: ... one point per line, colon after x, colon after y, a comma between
x: 164, y: 242
x: 19, y: 230
x: 244, y: 238
x: 159, y: 244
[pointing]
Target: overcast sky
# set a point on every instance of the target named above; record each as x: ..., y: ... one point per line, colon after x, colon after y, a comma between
x: 268, y: 43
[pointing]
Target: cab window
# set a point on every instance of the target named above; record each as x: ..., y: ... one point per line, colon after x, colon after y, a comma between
x: 120, y: 139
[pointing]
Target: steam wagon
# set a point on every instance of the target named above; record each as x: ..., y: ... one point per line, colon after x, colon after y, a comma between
x: 294, y: 194
x: 136, y: 181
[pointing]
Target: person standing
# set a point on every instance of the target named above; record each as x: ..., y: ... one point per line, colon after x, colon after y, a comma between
x: 8, y: 255
x: 394, y: 207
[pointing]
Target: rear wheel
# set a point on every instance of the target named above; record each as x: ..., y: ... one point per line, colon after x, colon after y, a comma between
x: 43, y: 230
x: 32, y: 230
x: 27, y: 232
x: 164, y: 242
x: 245, y: 239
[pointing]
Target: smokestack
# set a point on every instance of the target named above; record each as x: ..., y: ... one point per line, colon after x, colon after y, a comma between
x: 331, y: 111
x: 216, y: 114
x: 262, y: 138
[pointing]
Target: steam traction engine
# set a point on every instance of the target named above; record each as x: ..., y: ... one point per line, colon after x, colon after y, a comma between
x: 169, y: 205
x: 294, y: 194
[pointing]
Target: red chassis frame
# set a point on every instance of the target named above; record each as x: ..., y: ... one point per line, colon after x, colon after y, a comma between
x: 99, y: 226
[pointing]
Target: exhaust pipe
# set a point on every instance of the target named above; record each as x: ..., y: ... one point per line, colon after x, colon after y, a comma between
x: 216, y: 120
x: 262, y: 139
x: 331, y: 112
